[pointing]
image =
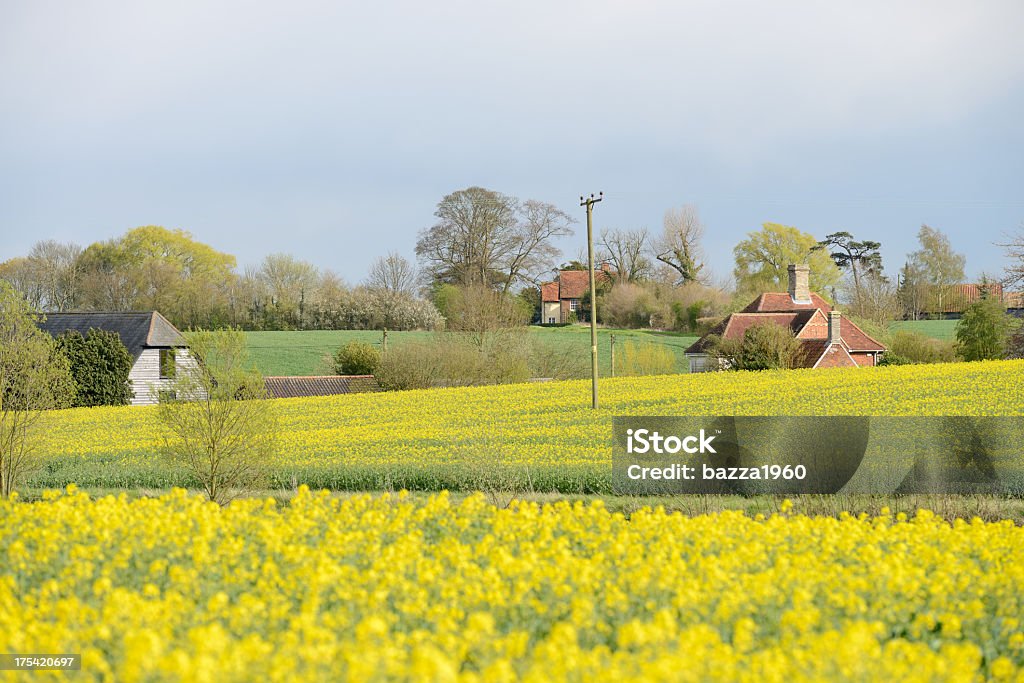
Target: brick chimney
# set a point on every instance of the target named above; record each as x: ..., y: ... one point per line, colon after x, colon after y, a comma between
x: 834, y: 318
x: 799, y: 283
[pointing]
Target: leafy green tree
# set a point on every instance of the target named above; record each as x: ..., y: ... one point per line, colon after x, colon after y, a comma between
x: 935, y: 267
x: 100, y: 365
x: 154, y: 268
x: 984, y: 330
x: 216, y: 419
x: 763, y: 259
x: 34, y: 376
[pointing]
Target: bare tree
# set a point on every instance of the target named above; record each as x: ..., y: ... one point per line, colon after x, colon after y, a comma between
x: 875, y: 297
x: 1014, y: 246
x: 487, y: 238
x: 34, y: 376
x: 679, y: 247
x: 625, y: 251
x: 22, y: 274
x: 59, y: 272
x: 392, y: 273
x: 217, y: 423
x: 289, y: 282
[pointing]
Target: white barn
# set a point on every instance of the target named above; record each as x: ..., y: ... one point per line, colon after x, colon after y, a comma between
x: 157, y: 347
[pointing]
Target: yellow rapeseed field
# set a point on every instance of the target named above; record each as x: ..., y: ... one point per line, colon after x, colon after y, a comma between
x: 541, y: 436
x: 371, y: 588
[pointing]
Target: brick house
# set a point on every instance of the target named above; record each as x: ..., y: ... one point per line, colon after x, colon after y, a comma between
x: 827, y: 339
x: 564, y: 295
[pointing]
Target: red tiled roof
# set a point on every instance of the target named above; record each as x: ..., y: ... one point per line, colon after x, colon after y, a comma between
x: 329, y: 385
x: 835, y: 356
x: 573, y: 284
x: 959, y: 297
x: 737, y: 324
x: 855, y: 338
x: 549, y: 292
x: 810, y: 351
x: 778, y: 302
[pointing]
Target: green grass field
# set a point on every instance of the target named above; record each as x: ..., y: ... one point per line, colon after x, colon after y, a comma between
x: 308, y: 353
x: 937, y: 329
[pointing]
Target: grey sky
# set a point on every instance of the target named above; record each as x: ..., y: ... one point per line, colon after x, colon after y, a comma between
x: 330, y: 130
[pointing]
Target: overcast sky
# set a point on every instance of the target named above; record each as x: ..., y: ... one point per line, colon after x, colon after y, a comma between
x: 330, y: 130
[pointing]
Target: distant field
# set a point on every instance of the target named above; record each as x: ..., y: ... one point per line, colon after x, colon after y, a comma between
x: 308, y: 353
x: 937, y: 329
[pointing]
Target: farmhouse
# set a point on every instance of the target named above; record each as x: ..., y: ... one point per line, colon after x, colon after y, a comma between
x: 563, y: 297
x: 827, y: 339
x: 157, y: 347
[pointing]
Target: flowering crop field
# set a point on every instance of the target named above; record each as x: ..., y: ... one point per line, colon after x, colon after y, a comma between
x: 542, y: 437
x: 369, y: 588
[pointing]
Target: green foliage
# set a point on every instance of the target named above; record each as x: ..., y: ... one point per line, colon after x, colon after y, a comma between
x: 984, y: 330
x: 100, y: 365
x: 765, y: 346
x: 529, y: 301
x: 917, y: 348
x: 154, y: 268
x: 763, y: 257
x: 633, y: 359
x: 357, y: 358
x: 34, y: 376
x: 890, y: 358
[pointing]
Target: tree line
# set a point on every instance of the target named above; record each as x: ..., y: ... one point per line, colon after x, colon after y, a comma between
x: 484, y: 238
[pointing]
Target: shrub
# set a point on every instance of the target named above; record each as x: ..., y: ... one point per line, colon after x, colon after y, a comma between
x: 357, y: 358
x: 456, y: 359
x: 765, y: 346
x: 645, y: 359
x: 214, y: 419
x: 100, y: 365
x: 917, y: 348
x: 34, y: 376
x: 890, y: 358
x: 627, y: 305
x: 370, y: 309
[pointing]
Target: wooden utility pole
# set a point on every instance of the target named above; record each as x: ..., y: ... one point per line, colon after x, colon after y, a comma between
x: 589, y: 203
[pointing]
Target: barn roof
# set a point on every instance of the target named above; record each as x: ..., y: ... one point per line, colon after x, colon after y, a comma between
x: 137, y: 330
x: 327, y: 385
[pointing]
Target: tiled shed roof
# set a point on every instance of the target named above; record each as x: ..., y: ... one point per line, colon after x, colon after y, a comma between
x: 327, y: 385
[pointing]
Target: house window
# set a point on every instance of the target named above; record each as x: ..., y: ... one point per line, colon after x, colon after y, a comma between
x: 551, y: 320
x: 574, y: 304
x: 167, y: 363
